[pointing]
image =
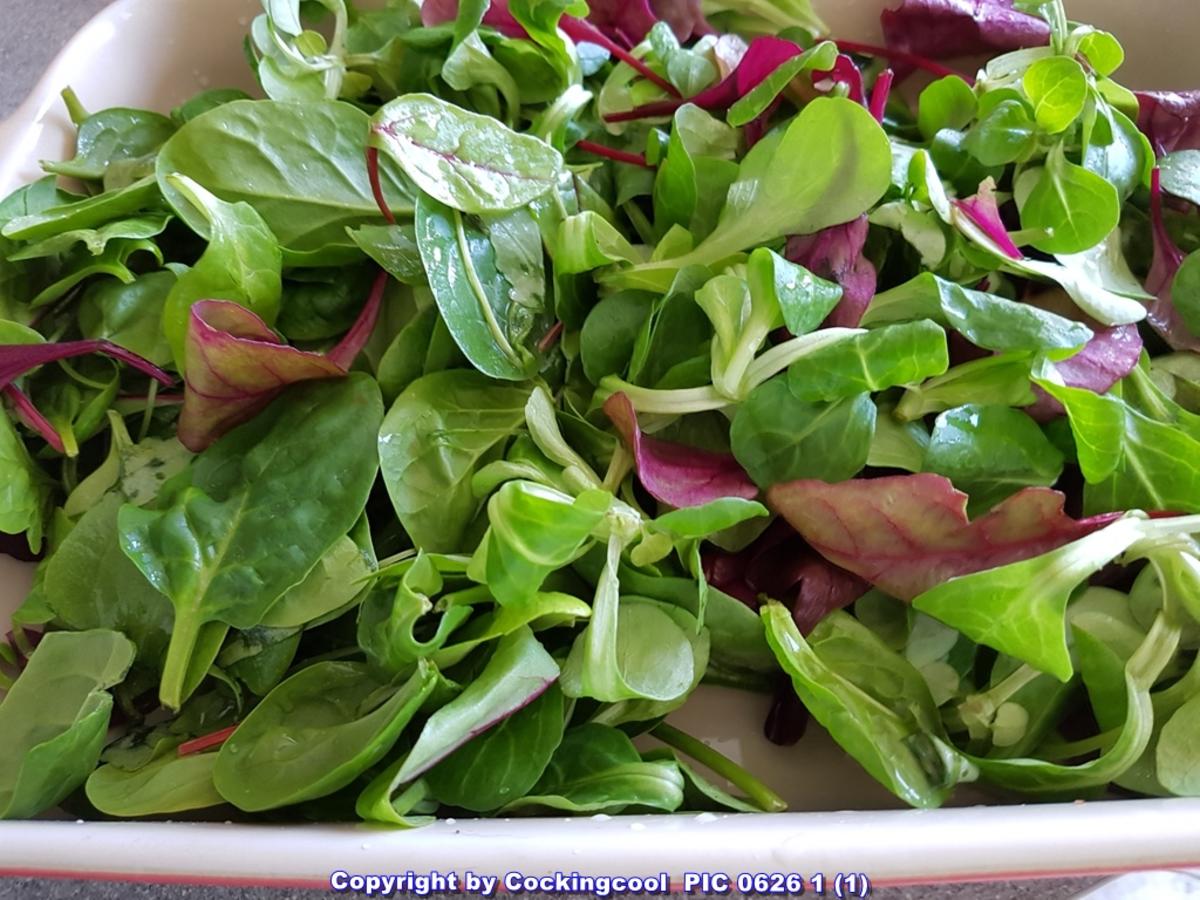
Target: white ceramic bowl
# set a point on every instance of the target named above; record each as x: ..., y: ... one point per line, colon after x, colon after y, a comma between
x: 155, y: 54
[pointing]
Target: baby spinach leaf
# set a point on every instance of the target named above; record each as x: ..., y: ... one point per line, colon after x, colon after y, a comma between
x: 999, y: 380
x: 170, y: 784
x: 300, y: 165
x: 129, y: 315
x: 696, y: 171
x: 487, y: 276
x: 597, y: 769
x: 986, y: 320
x: 260, y: 512
x: 948, y: 102
x: 874, y: 361
x: 1141, y: 673
x: 991, y: 452
x: 379, y: 801
x: 439, y: 431
x: 394, y: 247
x: 24, y: 490
x: 96, y: 240
x: 803, y: 299
x: 1129, y: 460
x: 838, y: 166
x: 1176, y: 753
x: 587, y: 241
x: 90, y: 583
x: 1005, y: 134
x: 518, y: 672
x: 778, y: 437
x: 1020, y: 608
x: 332, y: 585
x: 1076, y: 209
x: 78, y: 214
x: 503, y: 763
x: 873, y: 702
x: 544, y: 609
x: 610, y: 331
x: 388, y: 620
x: 55, y: 718
x: 205, y: 101
x: 315, y: 733
x: 469, y: 162
x: 1180, y: 173
x: 116, y: 146
x: 1058, y: 89
x: 242, y: 263
x: 1185, y: 293
x: 533, y: 530
x: 631, y: 649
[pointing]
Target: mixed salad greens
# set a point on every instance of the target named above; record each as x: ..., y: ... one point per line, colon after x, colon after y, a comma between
x: 412, y: 440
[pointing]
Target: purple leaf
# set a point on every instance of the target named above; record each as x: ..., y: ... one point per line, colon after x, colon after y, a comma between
x: 624, y: 21
x: 348, y: 348
x: 32, y: 417
x: 19, y: 359
x: 438, y: 12
x: 908, y: 533
x: 762, y: 57
x: 942, y: 29
x: 983, y: 211
x: 845, y: 72
x: 674, y: 474
x: 1170, y: 119
x: 1111, y: 354
x: 880, y: 94
x: 236, y: 365
x: 781, y: 566
x: 837, y: 254
x: 1162, y: 315
x: 685, y: 17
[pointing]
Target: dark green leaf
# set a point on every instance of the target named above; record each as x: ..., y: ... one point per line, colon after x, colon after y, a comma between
x: 433, y: 440
x: 315, y: 733
x: 55, y: 718
x: 778, y: 437
x: 879, y: 359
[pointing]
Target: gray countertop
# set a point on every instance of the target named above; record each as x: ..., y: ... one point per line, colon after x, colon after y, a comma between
x: 32, y: 33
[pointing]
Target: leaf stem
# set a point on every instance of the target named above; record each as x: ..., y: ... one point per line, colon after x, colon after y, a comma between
x: 32, y: 417
x: 783, y: 355
x: 580, y: 30
x: 377, y: 185
x: 477, y: 289
x: 551, y: 337
x: 757, y: 792
x: 880, y: 94
x: 1063, y: 750
x: 675, y: 402
x: 184, y: 637
x: 75, y: 109
x: 621, y: 156
x: 903, y: 56
x: 207, y: 742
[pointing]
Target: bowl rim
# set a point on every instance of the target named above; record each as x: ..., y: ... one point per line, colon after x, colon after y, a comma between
x: 893, y: 847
